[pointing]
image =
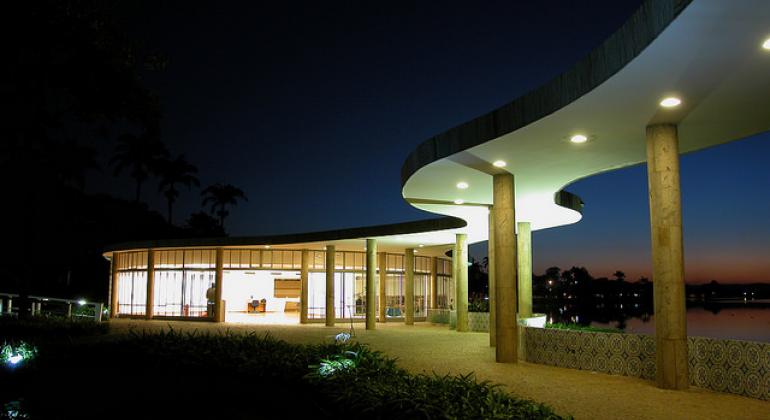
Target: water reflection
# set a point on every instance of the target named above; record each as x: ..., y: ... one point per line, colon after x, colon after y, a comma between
x: 726, y: 319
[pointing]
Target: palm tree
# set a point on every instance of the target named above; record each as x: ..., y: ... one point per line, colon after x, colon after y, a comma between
x: 619, y: 275
x: 140, y: 154
x: 220, y: 196
x: 172, y: 173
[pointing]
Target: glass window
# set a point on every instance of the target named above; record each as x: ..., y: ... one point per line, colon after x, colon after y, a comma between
x: 132, y: 292
x: 317, y: 260
x: 132, y: 260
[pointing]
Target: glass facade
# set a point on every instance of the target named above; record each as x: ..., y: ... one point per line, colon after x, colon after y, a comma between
x: 182, y: 278
x: 270, y: 259
x: 445, y: 287
x: 349, y: 285
x: 132, y: 283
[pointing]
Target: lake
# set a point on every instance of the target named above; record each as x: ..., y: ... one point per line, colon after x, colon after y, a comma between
x: 733, y: 320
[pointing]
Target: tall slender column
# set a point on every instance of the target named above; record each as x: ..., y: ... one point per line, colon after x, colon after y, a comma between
x: 506, y: 349
x: 330, y: 316
x: 219, y: 310
x: 460, y: 256
x: 114, y: 295
x: 524, y: 253
x: 383, y: 279
x: 409, y: 286
x: 303, y: 279
x: 371, y: 292
x: 491, y: 277
x: 149, y: 306
x: 433, y: 282
x: 667, y: 257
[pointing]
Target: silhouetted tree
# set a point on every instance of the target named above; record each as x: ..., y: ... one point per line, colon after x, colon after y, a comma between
x: 141, y: 154
x: 202, y: 224
x: 619, y: 275
x: 220, y: 196
x: 71, y: 77
x: 172, y: 173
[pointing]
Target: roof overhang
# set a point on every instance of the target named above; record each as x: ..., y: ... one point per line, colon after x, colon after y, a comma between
x: 433, y: 237
x: 707, y: 52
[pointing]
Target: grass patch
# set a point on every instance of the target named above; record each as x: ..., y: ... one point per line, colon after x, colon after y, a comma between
x: 243, y: 376
x: 578, y: 327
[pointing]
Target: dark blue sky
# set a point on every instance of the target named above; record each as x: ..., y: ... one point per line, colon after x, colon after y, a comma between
x: 313, y: 109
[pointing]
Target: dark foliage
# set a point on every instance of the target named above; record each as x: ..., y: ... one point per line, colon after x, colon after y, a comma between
x: 242, y: 376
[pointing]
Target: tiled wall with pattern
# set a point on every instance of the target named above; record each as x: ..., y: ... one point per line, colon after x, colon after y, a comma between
x: 738, y: 367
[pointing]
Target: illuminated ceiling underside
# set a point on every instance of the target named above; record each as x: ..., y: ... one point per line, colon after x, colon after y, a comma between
x: 708, y: 52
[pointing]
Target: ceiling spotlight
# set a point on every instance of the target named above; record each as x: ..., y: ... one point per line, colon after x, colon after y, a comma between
x: 267, y: 246
x: 459, y: 201
x: 766, y: 44
x: 670, y: 102
x: 421, y: 245
x: 499, y: 163
x: 578, y: 138
x: 462, y: 185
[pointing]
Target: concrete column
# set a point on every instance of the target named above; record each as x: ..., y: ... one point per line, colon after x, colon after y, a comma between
x: 491, y: 276
x: 69, y: 310
x: 219, y: 310
x: 303, y: 279
x: 460, y: 257
x: 506, y: 348
x: 9, y: 309
x: 667, y: 257
x: 114, y: 289
x: 330, y: 316
x: 383, y: 281
x: 409, y: 286
x: 524, y: 253
x: 432, y: 301
x: 149, y: 307
x: 371, y: 291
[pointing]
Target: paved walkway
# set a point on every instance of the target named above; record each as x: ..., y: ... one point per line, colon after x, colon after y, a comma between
x: 585, y: 395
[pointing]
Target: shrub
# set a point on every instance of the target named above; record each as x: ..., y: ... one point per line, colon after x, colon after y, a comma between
x: 578, y: 327
x: 49, y: 328
x: 244, y: 375
x: 478, y: 305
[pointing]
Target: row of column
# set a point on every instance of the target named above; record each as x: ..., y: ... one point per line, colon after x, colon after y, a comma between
x: 371, y: 288
x: 510, y: 262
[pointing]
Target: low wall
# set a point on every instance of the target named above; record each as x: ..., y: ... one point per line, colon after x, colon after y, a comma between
x: 737, y: 367
x: 438, y: 316
x: 477, y: 321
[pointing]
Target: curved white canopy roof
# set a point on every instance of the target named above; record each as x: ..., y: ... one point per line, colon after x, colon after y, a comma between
x: 710, y: 55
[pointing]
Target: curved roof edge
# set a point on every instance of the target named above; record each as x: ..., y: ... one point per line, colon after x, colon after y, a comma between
x: 652, y: 17
x: 569, y: 200
x: 417, y: 226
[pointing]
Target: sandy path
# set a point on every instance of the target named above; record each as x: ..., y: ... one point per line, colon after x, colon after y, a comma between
x: 585, y: 395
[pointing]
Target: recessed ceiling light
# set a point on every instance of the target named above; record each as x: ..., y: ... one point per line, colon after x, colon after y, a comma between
x: 459, y: 201
x: 462, y: 185
x: 670, y: 102
x: 766, y: 44
x: 267, y: 246
x: 578, y: 138
x: 499, y: 163
x: 421, y: 245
